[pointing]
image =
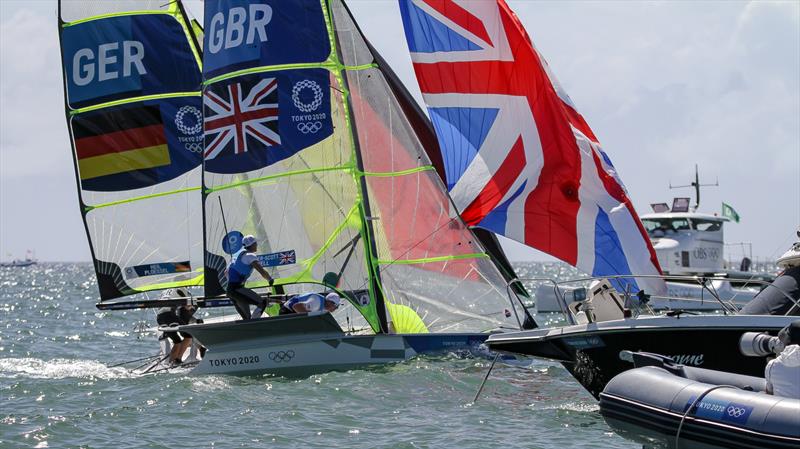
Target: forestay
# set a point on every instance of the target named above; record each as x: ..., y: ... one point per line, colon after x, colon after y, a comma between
x: 308, y: 149
x: 132, y: 81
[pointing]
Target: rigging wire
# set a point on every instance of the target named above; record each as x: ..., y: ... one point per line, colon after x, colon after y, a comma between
x: 485, y: 378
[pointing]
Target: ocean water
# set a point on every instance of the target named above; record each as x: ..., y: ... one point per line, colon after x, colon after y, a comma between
x: 57, y: 391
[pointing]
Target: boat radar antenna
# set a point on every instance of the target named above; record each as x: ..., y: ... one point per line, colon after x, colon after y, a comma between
x: 696, y: 184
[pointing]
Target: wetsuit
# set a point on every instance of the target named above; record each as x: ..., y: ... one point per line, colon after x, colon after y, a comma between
x: 239, y: 270
x: 173, y: 316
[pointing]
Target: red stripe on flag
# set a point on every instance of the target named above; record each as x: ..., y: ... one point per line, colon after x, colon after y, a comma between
x: 551, y: 209
x: 577, y: 120
x: 266, y: 90
x: 460, y: 17
x: 618, y: 193
x: 498, y: 186
x: 120, y: 141
x: 253, y: 130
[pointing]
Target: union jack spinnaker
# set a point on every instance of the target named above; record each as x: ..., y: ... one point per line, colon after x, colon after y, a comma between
x: 517, y: 157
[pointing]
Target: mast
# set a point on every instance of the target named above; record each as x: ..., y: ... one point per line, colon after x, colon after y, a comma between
x: 364, y: 205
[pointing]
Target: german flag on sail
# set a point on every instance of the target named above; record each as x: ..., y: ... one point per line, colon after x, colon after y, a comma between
x: 120, y: 141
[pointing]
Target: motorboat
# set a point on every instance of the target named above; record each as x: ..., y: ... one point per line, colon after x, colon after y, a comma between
x: 666, y: 404
x: 601, y: 323
x: 690, y: 246
x: 30, y: 259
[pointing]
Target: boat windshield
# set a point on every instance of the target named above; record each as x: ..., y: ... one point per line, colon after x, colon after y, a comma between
x: 659, y: 227
x: 706, y: 225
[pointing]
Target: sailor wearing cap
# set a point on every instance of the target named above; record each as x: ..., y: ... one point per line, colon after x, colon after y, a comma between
x: 240, y: 268
x: 311, y: 302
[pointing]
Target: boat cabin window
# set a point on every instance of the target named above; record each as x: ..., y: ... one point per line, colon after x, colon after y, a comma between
x: 659, y: 227
x: 707, y: 225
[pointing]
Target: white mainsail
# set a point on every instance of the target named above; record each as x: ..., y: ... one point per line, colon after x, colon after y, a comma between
x: 132, y: 91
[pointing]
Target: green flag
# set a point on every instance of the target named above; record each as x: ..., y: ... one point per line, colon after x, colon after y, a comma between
x: 727, y: 211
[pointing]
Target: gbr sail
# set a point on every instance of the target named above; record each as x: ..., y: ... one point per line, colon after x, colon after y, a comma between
x: 132, y: 96
x: 308, y: 148
x: 518, y: 158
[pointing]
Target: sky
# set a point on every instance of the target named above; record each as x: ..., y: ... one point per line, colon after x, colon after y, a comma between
x: 664, y: 86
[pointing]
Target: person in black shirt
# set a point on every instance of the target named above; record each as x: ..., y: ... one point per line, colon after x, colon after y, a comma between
x: 174, y: 316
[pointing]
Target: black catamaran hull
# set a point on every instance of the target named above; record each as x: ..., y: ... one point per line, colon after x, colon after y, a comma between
x: 591, y: 352
x: 301, y: 344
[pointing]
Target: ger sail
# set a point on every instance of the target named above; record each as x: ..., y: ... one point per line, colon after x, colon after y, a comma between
x: 132, y: 98
x: 309, y: 149
x: 518, y: 158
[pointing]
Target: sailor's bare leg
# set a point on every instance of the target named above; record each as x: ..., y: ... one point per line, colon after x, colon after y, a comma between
x: 176, y: 354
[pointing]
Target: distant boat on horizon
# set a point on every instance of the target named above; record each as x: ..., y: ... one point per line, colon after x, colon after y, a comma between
x: 30, y: 259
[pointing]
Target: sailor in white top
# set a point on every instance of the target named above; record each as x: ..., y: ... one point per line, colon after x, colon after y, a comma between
x: 783, y: 373
x: 311, y: 302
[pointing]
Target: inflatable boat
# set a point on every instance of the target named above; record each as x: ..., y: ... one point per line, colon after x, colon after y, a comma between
x: 671, y: 405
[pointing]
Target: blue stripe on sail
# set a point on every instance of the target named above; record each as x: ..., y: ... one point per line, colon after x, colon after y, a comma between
x: 495, y: 220
x: 461, y: 132
x: 609, y: 258
x: 606, y: 158
x: 425, y: 34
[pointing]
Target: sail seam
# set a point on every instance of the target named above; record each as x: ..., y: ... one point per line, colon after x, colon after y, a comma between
x: 109, y: 104
x: 193, y: 282
x: 398, y: 173
x: 331, y: 65
x: 139, y: 198
x: 277, y: 176
x: 143, y: 12
x: 433, y: 259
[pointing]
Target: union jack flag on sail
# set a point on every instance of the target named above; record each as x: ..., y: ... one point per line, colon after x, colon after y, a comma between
x: 518, y: 157
x: 239, y: 115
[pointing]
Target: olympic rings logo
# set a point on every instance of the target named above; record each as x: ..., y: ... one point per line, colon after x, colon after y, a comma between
x: 194, y: 147
x: 311, y: 127
x: 281, y: 356
x: 735, y: 412
x: 315, y: 89
x: 193, y: 127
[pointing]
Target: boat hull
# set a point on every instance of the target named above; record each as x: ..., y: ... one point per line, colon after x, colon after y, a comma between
x: 301, y: 344
x: 648, y: 404
x: 590, y: 352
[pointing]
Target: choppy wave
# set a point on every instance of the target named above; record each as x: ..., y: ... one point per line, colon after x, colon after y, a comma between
x: 58, y: 369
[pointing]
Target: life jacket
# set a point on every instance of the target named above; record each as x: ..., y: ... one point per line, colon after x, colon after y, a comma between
x: 301, y: 298
x: 238, y: 271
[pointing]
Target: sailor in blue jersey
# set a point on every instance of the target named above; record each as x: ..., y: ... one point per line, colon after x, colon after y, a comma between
x: 240, y: 268
x: 311, y: 302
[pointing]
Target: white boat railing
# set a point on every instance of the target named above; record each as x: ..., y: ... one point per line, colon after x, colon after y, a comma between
x: 639, y: 300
